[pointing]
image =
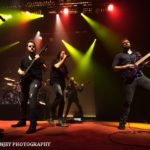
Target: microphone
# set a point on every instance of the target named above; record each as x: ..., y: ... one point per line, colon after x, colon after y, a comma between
x: 68, y: 56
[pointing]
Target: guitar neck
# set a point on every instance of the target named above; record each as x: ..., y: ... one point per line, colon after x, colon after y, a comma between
x: 142, y: 59
x: 43, y: 49
x: 30, y: 66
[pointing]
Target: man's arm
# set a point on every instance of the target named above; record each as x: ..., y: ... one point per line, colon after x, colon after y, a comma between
x: 21, y: 69
x: 128, y: 66
x: 116, y: 64
x: 21, y: 72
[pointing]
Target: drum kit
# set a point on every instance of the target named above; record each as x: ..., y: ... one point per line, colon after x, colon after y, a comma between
x: 11, y: 92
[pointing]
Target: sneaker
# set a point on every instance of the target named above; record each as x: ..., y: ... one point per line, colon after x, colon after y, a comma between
x: 61, y: 123
x: 121, y: 126
x: 51, y: 122
x: 32, y: 128
x: 19, y: 124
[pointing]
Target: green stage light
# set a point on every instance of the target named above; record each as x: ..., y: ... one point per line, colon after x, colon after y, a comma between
x: 86, y: 61
x: 75, y: 53
x: 5, y: 17
x: 90, y: 50
x: 18, y: 16
x: 110, y: 40
x: 27, y: 16
x: 7, y: 47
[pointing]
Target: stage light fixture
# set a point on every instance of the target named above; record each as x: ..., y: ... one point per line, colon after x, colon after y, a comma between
x: 110, y: 7
x: 27, y: 13
x: 65, y: 11
x: 57, y: 15
x: 38, y: 33
x: 40, y: 38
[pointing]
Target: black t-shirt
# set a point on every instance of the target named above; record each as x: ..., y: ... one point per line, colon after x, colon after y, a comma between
x: 58, y: 75
x: 35, y: 72
x: 72, y: 91
x: 124, y: 59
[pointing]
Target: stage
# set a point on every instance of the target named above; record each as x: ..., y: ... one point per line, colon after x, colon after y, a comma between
x: 87, y: 135
x: 90, y: 32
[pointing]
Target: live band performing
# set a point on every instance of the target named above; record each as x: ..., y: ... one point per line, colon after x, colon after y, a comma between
x: 74, y: 74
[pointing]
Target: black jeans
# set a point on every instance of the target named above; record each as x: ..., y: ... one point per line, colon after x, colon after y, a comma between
x: 129, y: 90
x: 29, y: 91
x: 76, y: 101
x: 58, y: 102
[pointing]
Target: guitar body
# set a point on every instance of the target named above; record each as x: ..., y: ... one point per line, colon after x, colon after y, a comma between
x: 129, y: 74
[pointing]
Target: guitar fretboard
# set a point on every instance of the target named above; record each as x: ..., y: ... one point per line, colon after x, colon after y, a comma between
x: 142, y: 59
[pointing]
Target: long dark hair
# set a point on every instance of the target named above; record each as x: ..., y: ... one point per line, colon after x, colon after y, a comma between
x: 59, y: 52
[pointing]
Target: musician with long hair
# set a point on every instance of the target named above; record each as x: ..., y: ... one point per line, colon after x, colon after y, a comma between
x: 58, y: 75
x: 31, y: 82
x: 126, y: 64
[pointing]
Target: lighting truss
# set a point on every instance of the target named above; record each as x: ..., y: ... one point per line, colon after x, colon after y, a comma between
x: 55, y: 6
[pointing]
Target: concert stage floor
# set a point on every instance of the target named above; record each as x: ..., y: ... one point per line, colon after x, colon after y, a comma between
x: 89, y: 135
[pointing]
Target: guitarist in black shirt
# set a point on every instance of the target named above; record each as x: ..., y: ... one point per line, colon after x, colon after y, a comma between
x: 31, y: 81
x: 129, y: 64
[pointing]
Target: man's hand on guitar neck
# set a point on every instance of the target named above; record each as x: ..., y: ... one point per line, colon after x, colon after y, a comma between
x: 37, y: 56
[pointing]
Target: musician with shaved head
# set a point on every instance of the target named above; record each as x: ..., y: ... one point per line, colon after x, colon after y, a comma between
x: 129, y: 64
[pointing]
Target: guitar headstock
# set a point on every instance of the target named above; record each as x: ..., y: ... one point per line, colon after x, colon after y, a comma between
x: 44, y: 49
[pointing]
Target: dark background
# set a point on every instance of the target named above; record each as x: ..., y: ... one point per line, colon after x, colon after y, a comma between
x: 105, y: 87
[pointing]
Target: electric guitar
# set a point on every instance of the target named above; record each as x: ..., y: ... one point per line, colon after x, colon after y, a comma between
x: 32, y: 62
x: 131, y: 73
